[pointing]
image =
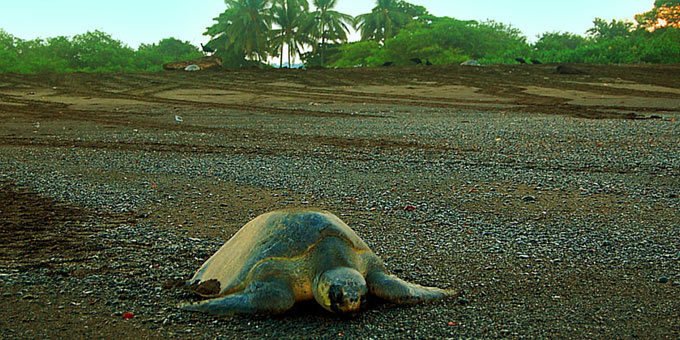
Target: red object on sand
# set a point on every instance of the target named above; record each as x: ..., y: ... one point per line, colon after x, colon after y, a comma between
x: 128, y: 315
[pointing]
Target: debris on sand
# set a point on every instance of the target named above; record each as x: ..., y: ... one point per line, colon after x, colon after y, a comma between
x: 471, y: 62
x: 568, y: 69
x: 204, y: 63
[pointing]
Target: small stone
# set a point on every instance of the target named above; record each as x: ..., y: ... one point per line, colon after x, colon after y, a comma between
x: 529, y: 199
x: 663, y: 279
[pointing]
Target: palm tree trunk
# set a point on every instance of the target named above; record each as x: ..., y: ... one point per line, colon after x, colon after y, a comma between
x: 281, y: 56
x: 323, y: 48
x: 284, y: 4
x: 289, y: 54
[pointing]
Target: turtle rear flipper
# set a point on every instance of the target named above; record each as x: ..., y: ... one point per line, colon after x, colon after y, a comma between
x: 272, y: 297
x: 396, y: 290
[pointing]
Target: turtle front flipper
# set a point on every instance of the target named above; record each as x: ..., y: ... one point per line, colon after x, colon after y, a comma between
x: 272, y: 297
x: 395, y: 290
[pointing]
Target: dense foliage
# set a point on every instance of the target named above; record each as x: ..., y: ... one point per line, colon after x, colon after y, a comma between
x: 440, y: 41
x: 633, y: 46
x: 655, y: 38
x: 251, y: 32
x: 90, y: 52
x: 666, y: 13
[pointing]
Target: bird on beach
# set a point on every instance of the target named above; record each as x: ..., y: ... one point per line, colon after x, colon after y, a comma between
x: 521, y: 60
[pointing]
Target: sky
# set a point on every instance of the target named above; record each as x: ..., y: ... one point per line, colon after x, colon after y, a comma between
x: 148, y: 21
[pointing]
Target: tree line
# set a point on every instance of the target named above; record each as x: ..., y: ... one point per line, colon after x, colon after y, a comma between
x: 252, y: 32
x: 89, y: 52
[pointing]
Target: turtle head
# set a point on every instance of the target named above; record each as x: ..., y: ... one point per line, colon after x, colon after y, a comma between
x: 340, y: 290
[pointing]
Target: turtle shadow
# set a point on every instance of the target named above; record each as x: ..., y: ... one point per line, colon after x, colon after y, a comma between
x: 307, y: 309
x: 302, y: 311
x: 310, y: 312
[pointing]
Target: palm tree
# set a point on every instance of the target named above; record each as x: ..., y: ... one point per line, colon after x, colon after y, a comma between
x: 243, y: 27
x: 329, y: 25
x: 290, y: 16
x: 384, y: 21
x: 252, y: 26
x: 218, y: 31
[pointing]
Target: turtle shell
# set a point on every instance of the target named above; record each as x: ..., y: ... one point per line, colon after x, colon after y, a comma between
x: 282, y: 235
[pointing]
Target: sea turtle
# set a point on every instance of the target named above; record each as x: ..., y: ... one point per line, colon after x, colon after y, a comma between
x: 287, y: 256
